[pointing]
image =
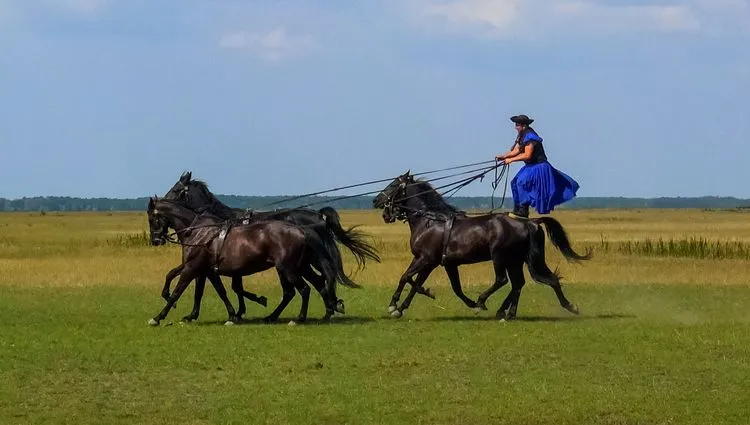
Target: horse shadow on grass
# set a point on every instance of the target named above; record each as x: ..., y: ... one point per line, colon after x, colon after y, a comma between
x: 608, y: 316
x: 285, y: 321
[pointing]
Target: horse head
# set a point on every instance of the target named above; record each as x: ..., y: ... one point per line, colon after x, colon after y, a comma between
x: 157, y: 223
x: 389, y: 198
x: 190, y: 193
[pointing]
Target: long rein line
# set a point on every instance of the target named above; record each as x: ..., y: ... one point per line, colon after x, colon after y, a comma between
x: 336, y: 189
x: 456, y: 186
x: 372, y: 192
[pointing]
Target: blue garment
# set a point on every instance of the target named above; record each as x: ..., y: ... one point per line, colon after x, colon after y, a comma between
x: 539, y: 184
x: 528, y: 136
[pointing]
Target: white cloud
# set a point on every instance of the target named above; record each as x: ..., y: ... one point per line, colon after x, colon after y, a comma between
x: 533, y: 18
x: 273, y: 46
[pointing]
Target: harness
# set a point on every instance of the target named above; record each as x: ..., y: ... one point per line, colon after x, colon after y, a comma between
x: 447, y: 236
x: 402, y: 213
x: 224, y: 228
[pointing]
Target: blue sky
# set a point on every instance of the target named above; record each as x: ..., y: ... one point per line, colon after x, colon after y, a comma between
x: 117, y: 97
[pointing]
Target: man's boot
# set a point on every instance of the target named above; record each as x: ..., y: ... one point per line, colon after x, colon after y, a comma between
x: 520, y: 211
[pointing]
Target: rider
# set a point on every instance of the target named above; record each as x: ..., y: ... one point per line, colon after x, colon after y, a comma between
x: 538, y: 183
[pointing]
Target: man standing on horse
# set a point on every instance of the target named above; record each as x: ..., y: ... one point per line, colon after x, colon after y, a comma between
x: 538, y: 183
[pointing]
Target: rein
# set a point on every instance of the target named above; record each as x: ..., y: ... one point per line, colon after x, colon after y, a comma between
x: 452, y: 189
x: 307, y: 195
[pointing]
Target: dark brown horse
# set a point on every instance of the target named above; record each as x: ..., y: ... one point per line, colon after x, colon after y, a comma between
x: 442, y: 235
x: 211, y: 248
x: 195, y: 195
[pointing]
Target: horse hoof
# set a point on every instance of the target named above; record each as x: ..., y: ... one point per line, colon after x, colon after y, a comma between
x: 152, y: 322
x: 340, y: 307
x: 292, y: 323
x: 477, y: 310
x: 396, y: 314
x: 573, y: 309
x: 392, y: 308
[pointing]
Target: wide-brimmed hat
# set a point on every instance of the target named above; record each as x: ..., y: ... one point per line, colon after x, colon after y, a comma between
x: 521, y: 119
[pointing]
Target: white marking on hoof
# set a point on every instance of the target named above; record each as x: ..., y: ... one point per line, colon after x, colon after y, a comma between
x: 229, y: 323
x: 501, y: 321
x: 396, y: 313
x: 152, y: 322
x: 292, y: 323
x: 391, y: 308
x: 477, y: 310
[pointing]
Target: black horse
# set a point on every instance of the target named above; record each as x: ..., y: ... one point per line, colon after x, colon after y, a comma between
x: 211, y: 248
x: 195, y: 195
x: 443, y: 235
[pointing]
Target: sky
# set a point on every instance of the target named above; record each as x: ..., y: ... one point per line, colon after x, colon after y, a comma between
x: 116, y: 98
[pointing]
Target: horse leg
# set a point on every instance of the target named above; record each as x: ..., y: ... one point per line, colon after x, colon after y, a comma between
x: 517, y: 280
x: 501, y: 280
x: 414, y: 267
x: 287, y: 294
x: 222, y: 293
x: 304, y: 292
x: 564, y: 301
x: 200, y: 285
x: 168, y: 280
x: 318, y: 282
x: 452, y: 272
x: 239, y: 289
x: 188, y: 273
x: 416, y: 287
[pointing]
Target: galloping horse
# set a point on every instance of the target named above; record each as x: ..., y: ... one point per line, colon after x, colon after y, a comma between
x: 194, y: 195
x: 209, y: 249
x: 443, y: 235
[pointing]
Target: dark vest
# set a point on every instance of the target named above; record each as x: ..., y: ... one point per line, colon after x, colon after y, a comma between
x: 538, y: 155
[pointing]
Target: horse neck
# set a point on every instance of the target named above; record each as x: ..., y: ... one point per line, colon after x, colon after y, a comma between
x: 180, y: 217
x: 425, y: 198
x: 220, y: 209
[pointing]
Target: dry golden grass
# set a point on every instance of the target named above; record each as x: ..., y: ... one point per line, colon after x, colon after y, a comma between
x: 86, y: 249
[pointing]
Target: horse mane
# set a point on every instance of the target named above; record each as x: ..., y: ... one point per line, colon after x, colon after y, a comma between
x: 431, y: 199
x: 215, y: 202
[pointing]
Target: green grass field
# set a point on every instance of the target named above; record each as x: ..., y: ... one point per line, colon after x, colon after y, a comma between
x: 663, y: 338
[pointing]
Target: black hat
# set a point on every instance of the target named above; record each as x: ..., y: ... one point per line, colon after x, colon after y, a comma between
x: 521, y: 119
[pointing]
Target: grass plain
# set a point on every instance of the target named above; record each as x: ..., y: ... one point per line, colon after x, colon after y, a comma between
x: 663, y: 338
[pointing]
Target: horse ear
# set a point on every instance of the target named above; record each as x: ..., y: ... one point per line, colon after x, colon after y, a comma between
x: 151, y: 203
x: 185, y: 177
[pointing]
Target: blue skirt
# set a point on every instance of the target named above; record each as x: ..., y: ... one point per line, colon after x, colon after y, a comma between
x: 542, y: 187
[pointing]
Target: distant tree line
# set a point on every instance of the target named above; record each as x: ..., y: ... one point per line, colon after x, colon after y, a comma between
x: 62, y: 203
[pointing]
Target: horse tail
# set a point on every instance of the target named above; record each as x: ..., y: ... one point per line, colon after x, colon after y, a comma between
x: 351, y: 238
x: 560, y: 240
x: 329, y: 242
x: 535, y: 258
